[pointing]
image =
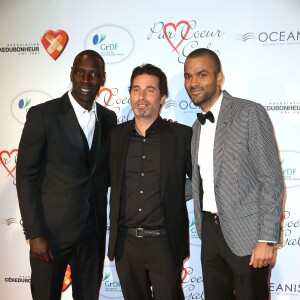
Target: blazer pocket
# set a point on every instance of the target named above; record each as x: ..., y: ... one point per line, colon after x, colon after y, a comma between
x: 54, y: 208
x: 248, y: 209
x: 234, y: 139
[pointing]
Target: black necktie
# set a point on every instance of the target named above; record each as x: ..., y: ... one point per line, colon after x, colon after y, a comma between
x: 202, y: 118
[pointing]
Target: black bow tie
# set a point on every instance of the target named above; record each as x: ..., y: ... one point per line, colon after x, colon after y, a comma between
x: 202, y: 118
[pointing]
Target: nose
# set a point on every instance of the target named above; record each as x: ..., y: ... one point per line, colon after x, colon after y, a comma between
x: 194, y: 81
x: 142, y: 95
x: 85, y: 77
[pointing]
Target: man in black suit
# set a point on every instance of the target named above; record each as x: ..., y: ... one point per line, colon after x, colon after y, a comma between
x: 62, y: 180
x: 150, y: 157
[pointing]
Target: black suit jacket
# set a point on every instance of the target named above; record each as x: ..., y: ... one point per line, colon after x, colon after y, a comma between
x: 55, y: 179
x: 175, y: 164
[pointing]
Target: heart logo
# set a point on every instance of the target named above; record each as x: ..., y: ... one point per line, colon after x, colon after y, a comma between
x: 187, y: 28
x: 55, y: 42
x: 106, y: 96
x: 8, y: 160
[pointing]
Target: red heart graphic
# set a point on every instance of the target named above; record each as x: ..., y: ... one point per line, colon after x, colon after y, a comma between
x: 5, y: 162
x: 110, y: 94
x: 55, y: 42
x: 188, y: 27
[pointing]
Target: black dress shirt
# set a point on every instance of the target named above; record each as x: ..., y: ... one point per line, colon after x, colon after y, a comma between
x: 141, y: 204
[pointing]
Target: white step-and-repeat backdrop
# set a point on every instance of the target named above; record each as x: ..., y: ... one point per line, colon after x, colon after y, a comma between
x: 258, y: 43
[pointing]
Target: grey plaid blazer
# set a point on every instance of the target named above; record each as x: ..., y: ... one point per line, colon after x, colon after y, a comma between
x: 248, y: 178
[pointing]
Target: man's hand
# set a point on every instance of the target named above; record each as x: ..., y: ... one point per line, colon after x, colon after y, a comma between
x: 40, y: 250
x: 262, y: 255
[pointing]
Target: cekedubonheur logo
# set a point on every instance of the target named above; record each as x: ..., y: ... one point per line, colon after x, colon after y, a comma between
x: 23, y: 102
x: 113, y: 43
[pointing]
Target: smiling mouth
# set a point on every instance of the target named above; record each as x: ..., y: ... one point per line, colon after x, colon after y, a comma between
x: 85, y: 90
x: 141, y: 105
x: 196, y: 91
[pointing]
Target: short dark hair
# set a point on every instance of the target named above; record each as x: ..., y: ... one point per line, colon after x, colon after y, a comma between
x: 154, y: 71
x: 207, y: 52
x: 91, y: 53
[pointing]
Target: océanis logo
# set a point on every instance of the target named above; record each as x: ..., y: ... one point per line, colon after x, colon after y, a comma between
x: 285, y: 288
x: 112, y: 42
x: 278, y: 37
x: 24, y: 101
x: 272, y: 38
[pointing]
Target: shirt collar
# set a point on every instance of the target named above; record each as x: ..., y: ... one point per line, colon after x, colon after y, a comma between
x: 156, y: 126
x: 215, y: 109
x: 79, y: 110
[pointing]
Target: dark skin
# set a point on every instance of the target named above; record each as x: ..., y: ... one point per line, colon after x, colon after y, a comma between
x: 87, y: 76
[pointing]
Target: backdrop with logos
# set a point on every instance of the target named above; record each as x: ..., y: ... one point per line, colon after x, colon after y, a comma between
x: 258, y: 43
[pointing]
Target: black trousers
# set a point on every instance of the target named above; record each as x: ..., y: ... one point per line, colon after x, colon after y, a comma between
x: 227, y: 276
x: 85, y: 258
x: 147, y: 270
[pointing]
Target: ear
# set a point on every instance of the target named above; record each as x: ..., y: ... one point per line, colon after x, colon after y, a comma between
x: 220, y: 77
x: 71, y: 73
x: 103, y: 79
x: 163, y: 100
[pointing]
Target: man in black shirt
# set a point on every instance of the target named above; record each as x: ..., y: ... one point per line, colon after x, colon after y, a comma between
x: 150, y: 157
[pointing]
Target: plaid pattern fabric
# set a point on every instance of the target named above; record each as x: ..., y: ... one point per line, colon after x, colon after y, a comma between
x: 248, y: 178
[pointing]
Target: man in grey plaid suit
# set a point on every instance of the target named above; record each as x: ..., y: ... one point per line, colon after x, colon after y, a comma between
x: 237, y: 184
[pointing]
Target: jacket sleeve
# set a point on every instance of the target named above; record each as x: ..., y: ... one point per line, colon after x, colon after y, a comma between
x: 265, y: 157
x: 31, y: 155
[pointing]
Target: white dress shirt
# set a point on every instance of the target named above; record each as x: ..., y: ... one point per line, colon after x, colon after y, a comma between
x: 205, y: 158
x: 86, y: 119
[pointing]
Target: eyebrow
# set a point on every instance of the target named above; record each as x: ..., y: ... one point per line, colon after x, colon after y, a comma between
x: 198, y: 72
x: 148, y: 86
x: 89, y: 70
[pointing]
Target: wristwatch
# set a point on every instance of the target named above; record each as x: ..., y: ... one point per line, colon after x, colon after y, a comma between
x: 271, y: 244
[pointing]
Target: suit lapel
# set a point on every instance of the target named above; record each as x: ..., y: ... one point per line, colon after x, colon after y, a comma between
x: 195, y: 140
x: 102, y: 128
x: 70, y: 124
x: 224, y: 120
x: 123, y: 140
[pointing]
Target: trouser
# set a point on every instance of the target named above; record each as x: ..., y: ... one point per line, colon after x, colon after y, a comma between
x: 85, y: 258
x: 227, y: 276
x: 147, y: 270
